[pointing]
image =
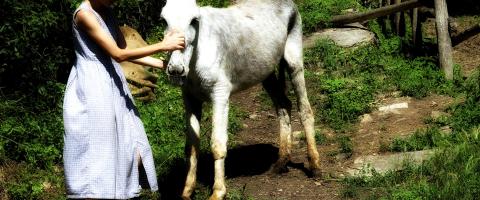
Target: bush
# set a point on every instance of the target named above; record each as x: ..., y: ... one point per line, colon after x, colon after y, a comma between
x: 467, y: 114
x: 317, y: 13
x: 37, y: 44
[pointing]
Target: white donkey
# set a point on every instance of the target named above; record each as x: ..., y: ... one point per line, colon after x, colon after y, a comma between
x: 231, y: 49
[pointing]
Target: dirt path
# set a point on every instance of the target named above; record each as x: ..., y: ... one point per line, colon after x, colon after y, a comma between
x: 377, y: 128
x: 261, y: 128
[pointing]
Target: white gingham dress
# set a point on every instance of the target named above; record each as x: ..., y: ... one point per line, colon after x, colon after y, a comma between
x: 103, y: 132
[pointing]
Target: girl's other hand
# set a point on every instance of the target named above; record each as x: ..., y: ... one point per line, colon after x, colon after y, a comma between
x: 173, y: 40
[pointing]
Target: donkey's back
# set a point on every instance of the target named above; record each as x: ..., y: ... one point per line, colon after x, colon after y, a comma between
x: 250, y: 37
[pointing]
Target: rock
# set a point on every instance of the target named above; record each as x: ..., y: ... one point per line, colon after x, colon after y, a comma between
x: 342, y: 156
x: 366, y: 118
x: 253, y: 116
x: 435, y: 115
x: 297, y: 134
x: 446, y: 130
x: 344, y: 37
x: 364, y: 165
x: 141, y: 82
x: 47, y: 185
x: 393, y: 107
x: 270, y: 115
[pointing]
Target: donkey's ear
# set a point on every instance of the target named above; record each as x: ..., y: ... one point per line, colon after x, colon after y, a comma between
x: 196, y: 14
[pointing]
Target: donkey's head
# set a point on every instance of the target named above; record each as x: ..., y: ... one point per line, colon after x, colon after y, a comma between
x: 181, y: 15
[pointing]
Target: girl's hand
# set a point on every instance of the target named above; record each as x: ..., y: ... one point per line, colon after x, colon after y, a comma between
x: 173, y: 40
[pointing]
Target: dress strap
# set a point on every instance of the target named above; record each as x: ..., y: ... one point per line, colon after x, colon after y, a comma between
x: 86, y: 7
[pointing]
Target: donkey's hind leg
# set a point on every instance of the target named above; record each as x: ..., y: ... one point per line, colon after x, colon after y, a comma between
x: 293, y: 57
x: 276, y: 90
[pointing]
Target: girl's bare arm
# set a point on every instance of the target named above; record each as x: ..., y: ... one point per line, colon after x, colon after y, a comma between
x: 87, y: 21
x: 149, y: 61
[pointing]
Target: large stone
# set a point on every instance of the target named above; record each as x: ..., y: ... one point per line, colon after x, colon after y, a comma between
x: 344, y: 37
x: 141, y: 82
x: 364, y: 165
x: 393, y: 108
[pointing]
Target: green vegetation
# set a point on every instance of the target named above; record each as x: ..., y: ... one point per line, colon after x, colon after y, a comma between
x: 342, y: 84
x: 316, y: 13
x: 452, y: 173
x: 347, y: 82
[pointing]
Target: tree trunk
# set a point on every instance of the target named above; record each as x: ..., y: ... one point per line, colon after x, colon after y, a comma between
x: 443, y: 37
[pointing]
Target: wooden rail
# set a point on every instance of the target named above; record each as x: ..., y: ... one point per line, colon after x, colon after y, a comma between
x: 375, y: 13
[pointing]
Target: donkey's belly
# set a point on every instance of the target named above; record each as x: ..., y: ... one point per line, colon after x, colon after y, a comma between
x: 249, y: 76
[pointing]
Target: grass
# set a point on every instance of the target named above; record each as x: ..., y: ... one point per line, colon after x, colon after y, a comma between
x: 345, y: 84
x: 342, y: 85
x: 452, y: 173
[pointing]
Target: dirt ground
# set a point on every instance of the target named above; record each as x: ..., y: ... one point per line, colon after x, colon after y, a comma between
x: 260, y: 132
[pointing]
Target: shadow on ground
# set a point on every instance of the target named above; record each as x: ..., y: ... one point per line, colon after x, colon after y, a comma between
x: 241, y: 161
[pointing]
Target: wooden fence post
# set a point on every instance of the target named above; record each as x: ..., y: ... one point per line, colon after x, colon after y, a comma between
x: 399, y: 20
x: 443, y: 38
x: 415, y: 27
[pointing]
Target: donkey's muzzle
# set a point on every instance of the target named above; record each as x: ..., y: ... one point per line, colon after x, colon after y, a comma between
x: 176, y: 71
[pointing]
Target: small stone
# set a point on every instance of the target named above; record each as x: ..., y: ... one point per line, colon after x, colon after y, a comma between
x: 244, y: 125
x: 46, y: 185
x: 437, y: 114
x: 366, y: 118
x: 446, y: 130
x: 317, y: 183
x: 297, y: 134
x: 342, y: 156
x: 253, y: 116
x: 280, y: 190
x: 393, y: 107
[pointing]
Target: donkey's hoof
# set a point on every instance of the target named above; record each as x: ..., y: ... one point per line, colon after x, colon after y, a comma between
x: 317, y: 173
x: 186, y: 198
x: 216, y: 196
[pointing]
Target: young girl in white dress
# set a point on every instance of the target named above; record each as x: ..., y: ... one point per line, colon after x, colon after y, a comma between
x: 105, y: 141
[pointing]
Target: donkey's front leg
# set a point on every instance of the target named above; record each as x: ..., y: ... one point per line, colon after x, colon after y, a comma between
x: 219, y: 140
x: 193, y: 112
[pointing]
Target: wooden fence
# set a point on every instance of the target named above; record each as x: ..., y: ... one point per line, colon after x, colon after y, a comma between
x: 397, y: 9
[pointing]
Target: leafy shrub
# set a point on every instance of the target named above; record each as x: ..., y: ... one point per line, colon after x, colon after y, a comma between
x: 316, y: 13
x: 37, y: 44
x: 467, y: 114
x: 326, y: 55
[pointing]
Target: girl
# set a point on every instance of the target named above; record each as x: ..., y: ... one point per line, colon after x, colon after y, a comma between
x: 105, y: 142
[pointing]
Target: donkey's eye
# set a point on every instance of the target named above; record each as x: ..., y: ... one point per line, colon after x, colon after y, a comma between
x: 194, y: 21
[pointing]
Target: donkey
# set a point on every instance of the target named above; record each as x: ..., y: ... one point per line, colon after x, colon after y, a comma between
x: 228, y: 50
